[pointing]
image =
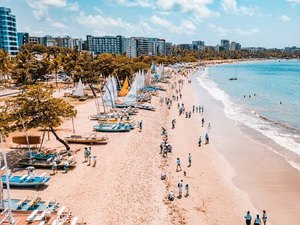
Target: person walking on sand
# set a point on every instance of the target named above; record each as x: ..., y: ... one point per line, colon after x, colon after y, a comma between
x: 202, y: 121
x: 141, y: 125
x: 171, y: 196
x: 190, y: 160
x: 94, y: 161
x: 187, y: 190
x: 197, y: 109
x: 199, y: 141
x: 86, y: 153
x: 178, y: 165
x: 54, y: 167
x: 248, y: 218
x: 206, y: 138
x: 193, y: 108
x: 180, y: 186
x: 257, y: 220
x: 264, y: 217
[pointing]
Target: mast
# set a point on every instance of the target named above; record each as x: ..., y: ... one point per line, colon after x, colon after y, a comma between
x: 11, y: 218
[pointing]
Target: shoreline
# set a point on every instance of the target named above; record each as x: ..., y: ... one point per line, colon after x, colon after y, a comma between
x: 268, y: 178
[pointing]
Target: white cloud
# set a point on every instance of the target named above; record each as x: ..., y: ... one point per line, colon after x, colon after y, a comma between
x: 220, y: 31
x: 59, y: 25
x: 247, y: 32
x: 101, y: 21
x: 73, y: 6
x: 284, y: 18
x: 41, y: 7
x: 294, y: 1
x: 186, y: 26
x: 231, y: 6
x: 197, y: 8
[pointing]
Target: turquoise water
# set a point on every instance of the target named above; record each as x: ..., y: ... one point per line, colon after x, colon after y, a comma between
x: 254, y: 98
x: 272, y: 82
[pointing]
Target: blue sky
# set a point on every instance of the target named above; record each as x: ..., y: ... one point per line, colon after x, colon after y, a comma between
x: 267, y: 23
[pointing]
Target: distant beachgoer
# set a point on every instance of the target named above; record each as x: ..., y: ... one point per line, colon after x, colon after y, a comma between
x: 202, y: 108
x: 186, y: 115
x: 54, y: 167
x: 248, y: 218
x: 257, y: 220
x: 141, y: 125
x: 161, y: 148
x: 86, y: 153
x: 180, y: 186
x: 165, y: 152
x: 196, y: 109
x: 190, y: 114
x: 193, y: 108
x: 244, y: 96
x: 202, y: 121
x: 208, y: 126
x: 66, y: 167
x: 199, y: 141
x: 178, y: 105
x: 190, y: 160
x: 178, y: 164
x: 280, y: 103
x: 89, y: 160
x: 94, y: 161
x: 264, y: 217
x: 180, y: 95
x: 163, y: 175
x: 171, y: 196
x: 206, y: 138
x: 184, y: 173
x: 187, y: 190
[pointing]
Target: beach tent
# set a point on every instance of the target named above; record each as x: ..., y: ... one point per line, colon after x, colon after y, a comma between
x: 125, y: 88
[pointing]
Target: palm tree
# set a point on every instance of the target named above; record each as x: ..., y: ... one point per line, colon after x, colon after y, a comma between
x: 5, y: 65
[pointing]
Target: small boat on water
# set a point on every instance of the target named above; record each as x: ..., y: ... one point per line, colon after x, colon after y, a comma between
x: 89, y: 139
x: 233, y: 78
x: 113, y: 127
x: 146, y: 107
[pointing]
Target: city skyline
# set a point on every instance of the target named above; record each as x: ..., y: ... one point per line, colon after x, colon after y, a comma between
x: 252, y: 23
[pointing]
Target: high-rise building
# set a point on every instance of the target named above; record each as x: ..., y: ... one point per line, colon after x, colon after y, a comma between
x: 168, y: 48
x: 234, y: 46
x: 185, y: 47
x: 77, y: 42
x: 8, y: 31
x: 23, y: 38
x: 105, y: 44
x: 131, y: 47
x: 198, y: 45
x: 64, y: 42
x: 225, y: 44
x: 35, y: 40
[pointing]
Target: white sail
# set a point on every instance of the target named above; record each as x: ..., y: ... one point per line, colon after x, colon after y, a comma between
x: 108, y: 96
x: 143, y: 79
x: 130, y: 98
x: 114, y: 87
x: 79, y: 91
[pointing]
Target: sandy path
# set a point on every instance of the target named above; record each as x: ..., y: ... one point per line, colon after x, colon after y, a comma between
x: 213, y: 198
x: 124, y: 188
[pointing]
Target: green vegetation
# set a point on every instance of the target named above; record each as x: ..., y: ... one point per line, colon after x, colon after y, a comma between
x: 35, y: 108
x: 35, y: 63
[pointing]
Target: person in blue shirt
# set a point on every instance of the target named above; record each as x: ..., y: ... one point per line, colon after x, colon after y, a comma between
x: 248, y: 218
x: 257, y: 220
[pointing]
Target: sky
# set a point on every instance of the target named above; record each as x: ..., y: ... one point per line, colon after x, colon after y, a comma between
x: 265, y: 23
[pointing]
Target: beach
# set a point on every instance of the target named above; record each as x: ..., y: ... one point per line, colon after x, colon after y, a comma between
x: 228, y: 176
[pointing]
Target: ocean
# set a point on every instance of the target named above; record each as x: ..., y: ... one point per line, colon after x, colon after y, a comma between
x: 265, y: 97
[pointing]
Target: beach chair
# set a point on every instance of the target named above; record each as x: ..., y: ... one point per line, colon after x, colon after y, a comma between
x: 32, y: 216
x: 74, y: 221
x: 21, y: 202
x: 23, y: 178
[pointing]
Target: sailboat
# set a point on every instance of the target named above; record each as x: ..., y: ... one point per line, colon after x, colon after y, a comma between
x: 79, y: 91
x: 130, y: 99
x: 125, y: 88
